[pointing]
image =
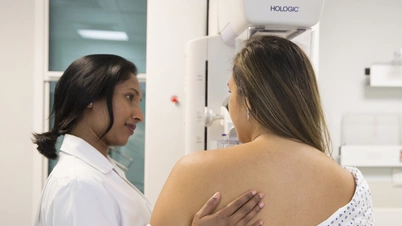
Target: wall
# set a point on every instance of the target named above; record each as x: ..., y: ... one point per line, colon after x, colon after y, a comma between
x: 353, y: 35
x: 171, y: 24
x: 16, y: 88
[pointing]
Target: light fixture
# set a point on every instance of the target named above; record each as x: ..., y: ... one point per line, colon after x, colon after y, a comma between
x: 103, y: 35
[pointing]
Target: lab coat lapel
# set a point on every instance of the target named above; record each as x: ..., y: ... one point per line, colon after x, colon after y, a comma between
x: 123, y: 176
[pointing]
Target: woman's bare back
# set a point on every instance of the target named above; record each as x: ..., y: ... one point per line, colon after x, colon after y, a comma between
x: 302, y: 186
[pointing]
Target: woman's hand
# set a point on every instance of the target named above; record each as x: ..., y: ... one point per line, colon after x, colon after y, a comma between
x: 239, y: 212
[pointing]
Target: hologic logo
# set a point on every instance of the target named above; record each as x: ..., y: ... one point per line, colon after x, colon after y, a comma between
x: 292, y: 9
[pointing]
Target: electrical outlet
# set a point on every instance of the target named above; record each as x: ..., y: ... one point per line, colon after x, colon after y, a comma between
x: 397, y: 177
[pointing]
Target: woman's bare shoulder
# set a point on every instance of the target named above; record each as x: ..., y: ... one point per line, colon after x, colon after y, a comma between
x: 207, y: 159
x: 189, y: 185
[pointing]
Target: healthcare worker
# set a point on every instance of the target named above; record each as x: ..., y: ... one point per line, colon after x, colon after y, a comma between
x: 96, y: 107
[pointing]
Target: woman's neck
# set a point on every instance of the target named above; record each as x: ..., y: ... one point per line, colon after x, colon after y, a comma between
x: 91, y: 137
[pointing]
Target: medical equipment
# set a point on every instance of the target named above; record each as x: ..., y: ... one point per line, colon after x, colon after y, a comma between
x: 387, y: 74
x: 209, y: 59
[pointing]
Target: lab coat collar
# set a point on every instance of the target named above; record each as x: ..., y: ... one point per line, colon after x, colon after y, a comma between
x: 79, y: 148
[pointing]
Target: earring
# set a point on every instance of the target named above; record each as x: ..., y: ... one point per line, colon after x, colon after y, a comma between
x: 248, y: 114
x: 90, y: 104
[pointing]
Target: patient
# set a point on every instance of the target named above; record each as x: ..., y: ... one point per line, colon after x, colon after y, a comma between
x: 276, y: 110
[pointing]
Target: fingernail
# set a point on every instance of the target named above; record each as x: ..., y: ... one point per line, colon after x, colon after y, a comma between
x: 261, y: 222
x: 216, y: 195
x: 261, y: 195
x: 261, y: 204
x: 253, y: 192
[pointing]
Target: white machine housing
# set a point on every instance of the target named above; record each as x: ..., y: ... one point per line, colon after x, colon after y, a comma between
x: 235, y: 16
x: 209, y: 59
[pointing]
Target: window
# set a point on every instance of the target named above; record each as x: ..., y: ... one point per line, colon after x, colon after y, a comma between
x: 82, y: 27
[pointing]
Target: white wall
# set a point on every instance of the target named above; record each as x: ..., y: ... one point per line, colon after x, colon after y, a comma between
x: 170, y: 25
x: 16, y: 89
x: 353, y: 35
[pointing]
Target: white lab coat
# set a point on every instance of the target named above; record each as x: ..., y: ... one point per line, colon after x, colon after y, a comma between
x: 86, y: 189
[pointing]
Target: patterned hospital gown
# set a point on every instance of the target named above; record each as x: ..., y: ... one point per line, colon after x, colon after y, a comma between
x: 359, y: 211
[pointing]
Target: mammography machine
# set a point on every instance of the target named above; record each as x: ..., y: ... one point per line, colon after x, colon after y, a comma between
x: 209, y: 59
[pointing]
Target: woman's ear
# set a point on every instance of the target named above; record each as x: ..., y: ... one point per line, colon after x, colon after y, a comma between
x: 248, y: 108
x: 247, y: 103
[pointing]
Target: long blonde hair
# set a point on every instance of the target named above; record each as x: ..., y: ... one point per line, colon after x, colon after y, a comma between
x: 279, y: 82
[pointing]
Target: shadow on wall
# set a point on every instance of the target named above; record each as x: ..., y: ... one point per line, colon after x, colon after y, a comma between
x: 380, y: 93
